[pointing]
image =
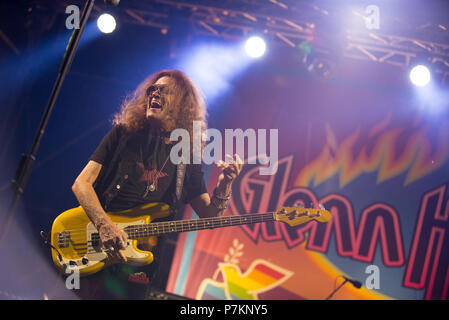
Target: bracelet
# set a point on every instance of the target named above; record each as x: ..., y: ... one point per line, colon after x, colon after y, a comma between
x: 218, y: 202
x: 220, y: 198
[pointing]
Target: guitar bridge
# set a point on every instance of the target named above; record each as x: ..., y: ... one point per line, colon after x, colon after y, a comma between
x: 63, y: 239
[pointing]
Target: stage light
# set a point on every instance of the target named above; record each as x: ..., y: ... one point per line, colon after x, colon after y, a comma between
x: 255, y: 47
x: 106, y: 23
x: 213, y: 66
x: 420, y: 75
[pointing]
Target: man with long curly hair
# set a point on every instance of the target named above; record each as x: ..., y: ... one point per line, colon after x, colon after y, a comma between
x: 132, y: 165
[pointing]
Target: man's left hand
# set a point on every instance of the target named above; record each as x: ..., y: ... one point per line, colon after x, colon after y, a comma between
x: 230, y: 170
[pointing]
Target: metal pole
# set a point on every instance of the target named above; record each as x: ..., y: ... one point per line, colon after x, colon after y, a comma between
x: 26, y: 163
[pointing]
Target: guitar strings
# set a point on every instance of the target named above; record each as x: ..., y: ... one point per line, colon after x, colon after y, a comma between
x: 147, y: 230
x: 167, y: 227
x: 215, y: 221
x: 155, y: 228
x: 151, y: 229
x: 86, y: 247
x: 184, y: 222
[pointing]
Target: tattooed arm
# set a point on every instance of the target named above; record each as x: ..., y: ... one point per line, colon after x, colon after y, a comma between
x: 110, y: 235
x: 205, y: 205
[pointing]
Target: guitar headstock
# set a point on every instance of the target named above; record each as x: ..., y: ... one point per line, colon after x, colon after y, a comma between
x: 295, y: 216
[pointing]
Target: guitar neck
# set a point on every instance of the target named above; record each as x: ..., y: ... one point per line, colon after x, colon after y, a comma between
x: 159, y: 228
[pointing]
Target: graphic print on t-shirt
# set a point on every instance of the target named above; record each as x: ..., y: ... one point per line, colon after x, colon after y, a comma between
x: 151, y: 176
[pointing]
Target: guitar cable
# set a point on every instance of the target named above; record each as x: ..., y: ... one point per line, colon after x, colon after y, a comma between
x: 45, y: 237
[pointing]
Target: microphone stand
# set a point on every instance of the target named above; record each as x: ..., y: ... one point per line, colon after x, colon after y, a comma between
x: 336, y: 289
x: 26, y: 162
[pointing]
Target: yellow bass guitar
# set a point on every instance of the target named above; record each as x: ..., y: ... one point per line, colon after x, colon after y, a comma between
x: 76, y: 242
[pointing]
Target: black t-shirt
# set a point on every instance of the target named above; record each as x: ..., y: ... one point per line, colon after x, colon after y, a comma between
x: 153, y: 177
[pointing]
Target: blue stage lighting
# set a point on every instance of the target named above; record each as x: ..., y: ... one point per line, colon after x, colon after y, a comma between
x: 106, y: 23
x: 420, y: 75
x: 255, y: 47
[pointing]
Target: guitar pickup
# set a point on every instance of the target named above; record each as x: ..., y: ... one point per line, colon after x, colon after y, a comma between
x: 95, y: 239
x: 63, y: 239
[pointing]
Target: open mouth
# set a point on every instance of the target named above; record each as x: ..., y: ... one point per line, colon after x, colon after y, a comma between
x: 156, y: 104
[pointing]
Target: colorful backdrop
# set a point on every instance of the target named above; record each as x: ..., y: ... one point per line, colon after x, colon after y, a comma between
x: 364, y: 148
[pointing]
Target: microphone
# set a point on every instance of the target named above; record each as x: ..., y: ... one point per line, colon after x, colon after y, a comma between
x: 355, y: 283
x: 112, y: 2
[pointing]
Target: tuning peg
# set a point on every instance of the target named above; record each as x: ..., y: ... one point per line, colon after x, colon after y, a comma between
x: 317, y: 214
x: 321, y: 207
x: 299, y: 205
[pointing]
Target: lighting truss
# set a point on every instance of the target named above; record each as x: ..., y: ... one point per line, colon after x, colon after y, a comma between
x: 284, y: 22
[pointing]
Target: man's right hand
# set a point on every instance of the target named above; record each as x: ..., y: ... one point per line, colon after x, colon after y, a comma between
x: 114, y: 240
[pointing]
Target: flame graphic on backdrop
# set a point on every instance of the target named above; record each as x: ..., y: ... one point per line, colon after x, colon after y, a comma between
x: 419, y: 156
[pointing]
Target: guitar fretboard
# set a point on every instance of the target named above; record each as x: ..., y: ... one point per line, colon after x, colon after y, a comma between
x: 158, y: 228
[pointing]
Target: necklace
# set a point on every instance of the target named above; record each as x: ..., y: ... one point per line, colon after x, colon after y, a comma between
x: 151, y: 187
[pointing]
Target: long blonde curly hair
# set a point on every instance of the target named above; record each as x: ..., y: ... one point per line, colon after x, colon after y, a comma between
x: 188, y: 104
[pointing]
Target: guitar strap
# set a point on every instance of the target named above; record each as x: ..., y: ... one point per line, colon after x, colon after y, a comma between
x: 180, y: 173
